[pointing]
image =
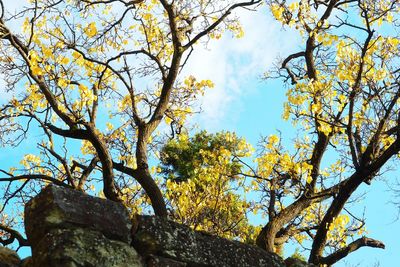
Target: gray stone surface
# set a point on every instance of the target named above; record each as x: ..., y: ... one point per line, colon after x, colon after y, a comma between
x: 83, y: 248
x: 60, y: 207
x: 9, y: 258
x: 157, y: 236
x: 157, y: 261
x: 68, y: 228
x: 294, y: 262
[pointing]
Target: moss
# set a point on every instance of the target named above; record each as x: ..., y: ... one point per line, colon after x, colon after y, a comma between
x: 84, y: 247
x: 55, y: 216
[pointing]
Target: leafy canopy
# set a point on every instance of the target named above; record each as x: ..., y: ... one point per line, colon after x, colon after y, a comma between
x: 205, y: 187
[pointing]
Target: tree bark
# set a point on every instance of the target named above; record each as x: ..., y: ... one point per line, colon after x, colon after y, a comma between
x: 266, y: 238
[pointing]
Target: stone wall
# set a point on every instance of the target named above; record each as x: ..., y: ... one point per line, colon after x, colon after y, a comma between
x: 67, y: 228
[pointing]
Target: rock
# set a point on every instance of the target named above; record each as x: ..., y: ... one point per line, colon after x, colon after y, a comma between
x: 158, y: 236
x: 157, y: 261
x: 9, y: 258
x: 68, y: 228
x: 60, y: 207
x: 294, y: 262
x: 83, y: 248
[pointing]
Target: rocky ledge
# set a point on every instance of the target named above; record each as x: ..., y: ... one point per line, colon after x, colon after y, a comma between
x: 68, y: 228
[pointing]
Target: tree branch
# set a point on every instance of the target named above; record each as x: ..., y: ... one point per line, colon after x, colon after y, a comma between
x: 353, y: 246
x: 23, y: 242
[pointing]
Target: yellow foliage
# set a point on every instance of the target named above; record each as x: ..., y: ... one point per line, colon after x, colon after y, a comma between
x: 90, y: 30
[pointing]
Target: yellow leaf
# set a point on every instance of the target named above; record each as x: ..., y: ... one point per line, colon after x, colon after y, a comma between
x: 90, y: 30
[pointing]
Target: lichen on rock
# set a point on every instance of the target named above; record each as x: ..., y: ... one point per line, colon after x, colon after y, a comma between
x: 84, y: 248
x: 161, y: 237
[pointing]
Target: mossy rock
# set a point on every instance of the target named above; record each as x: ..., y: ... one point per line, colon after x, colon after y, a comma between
x: 83, y: 248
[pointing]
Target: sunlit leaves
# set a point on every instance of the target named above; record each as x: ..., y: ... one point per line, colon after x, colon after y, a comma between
x: 30, y: 161
x: 343, y: 92
x: 90, y: 30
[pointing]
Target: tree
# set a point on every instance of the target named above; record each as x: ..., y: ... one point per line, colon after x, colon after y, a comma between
x: 75, y: 61
x: 78, y: 60
x: 344, y: 92
x: 205, y: 185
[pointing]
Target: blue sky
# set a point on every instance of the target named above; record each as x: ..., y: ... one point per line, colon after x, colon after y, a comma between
x: 242, y: 102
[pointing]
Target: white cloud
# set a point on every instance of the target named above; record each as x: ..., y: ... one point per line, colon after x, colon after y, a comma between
x: 12, y: 7
x: 234, y: 64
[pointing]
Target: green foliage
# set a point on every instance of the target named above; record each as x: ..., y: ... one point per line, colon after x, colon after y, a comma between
x: 204, y: 183
x: 182, y: 158
x: 298, y: 255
